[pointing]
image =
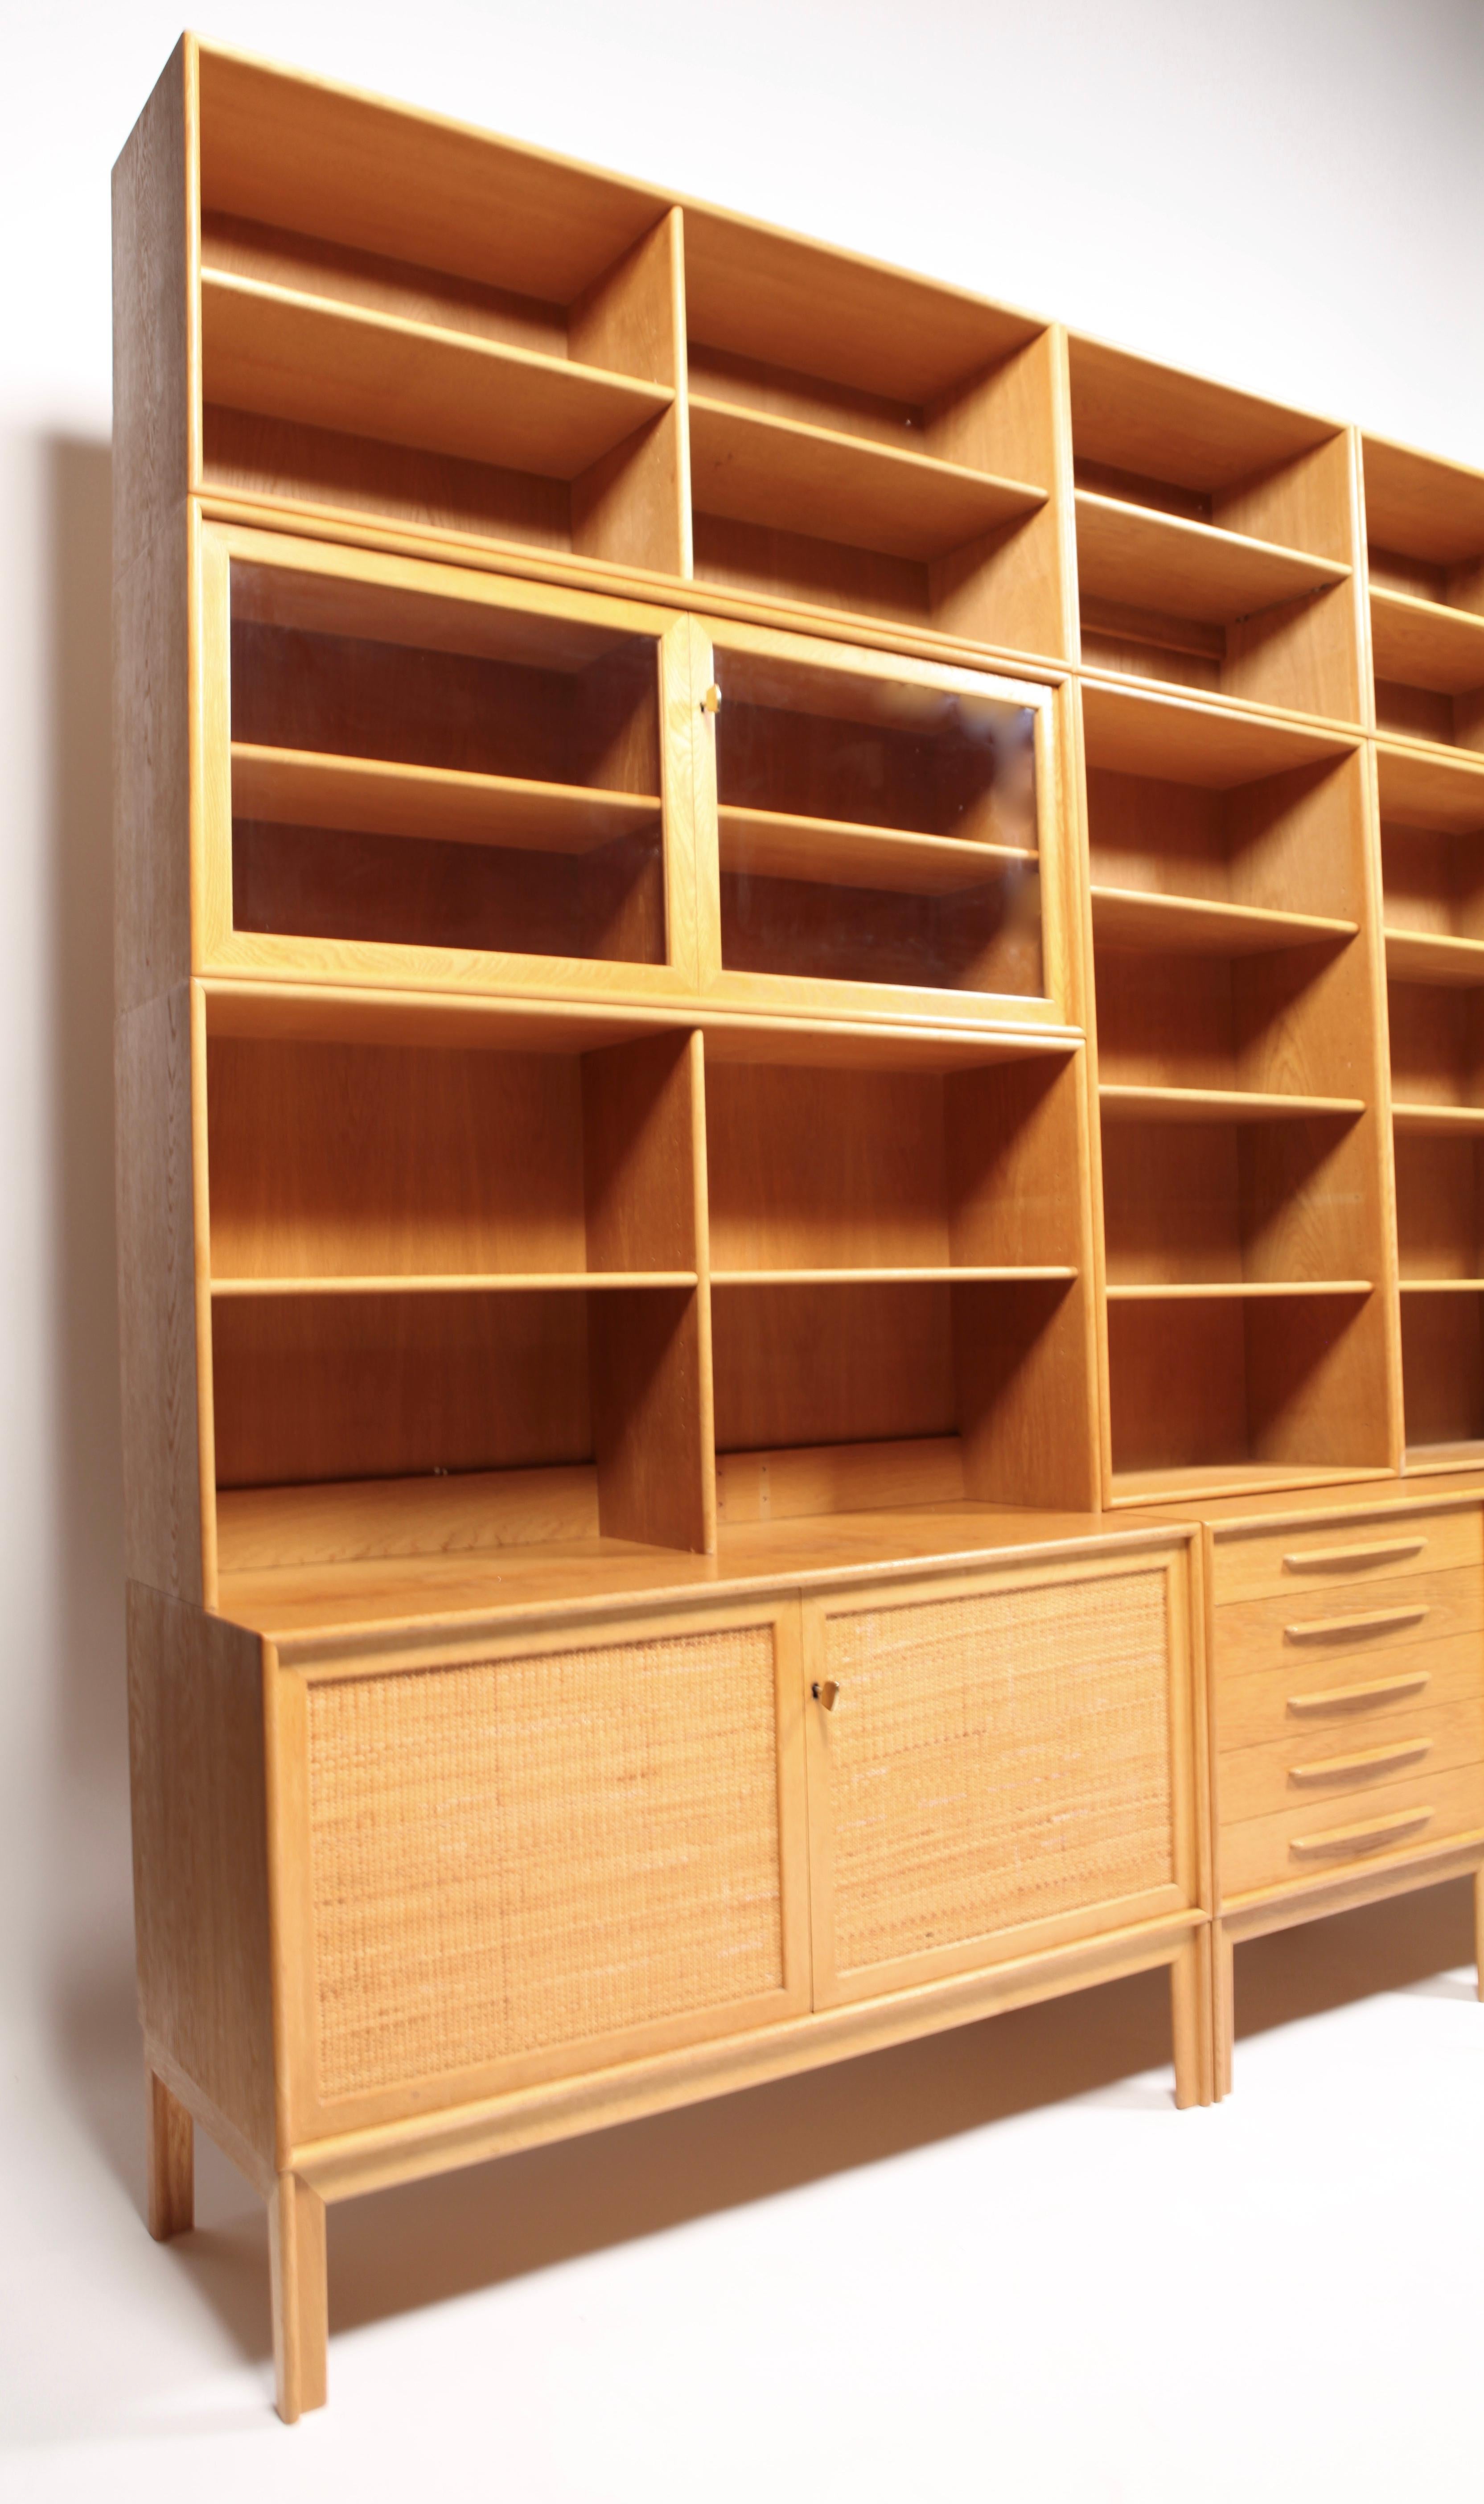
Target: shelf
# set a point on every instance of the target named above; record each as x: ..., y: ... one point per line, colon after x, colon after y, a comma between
x: 1192, y: 925
x: 277, y: 353
x: 1222, y: 1104
x: 482, y: 1282
x: 1137, y: 556
x: 1422, y: 505
x: 1457, y: 1121
x: 750, y: 467
x: 1184, y: 739
x: 1422, y: 644
x: 954, y: 1275
x: 828, y: 852
x: 1442, y: 794
x: 1201, y: 1482
x: 1225, y: 1290
x: 1421, y: 1457
x: 295, y: 787
x: 1434, y: 957
x: 1442, y: 1286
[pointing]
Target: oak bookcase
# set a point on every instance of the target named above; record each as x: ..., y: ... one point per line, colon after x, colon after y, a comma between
x: 801, y: 1096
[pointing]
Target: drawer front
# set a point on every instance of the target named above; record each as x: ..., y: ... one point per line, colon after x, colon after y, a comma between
x: 1332, y: 1697
x: 1010, y: 1756
x: 1318, y: 1768
x: 1330, y: 1556
x: 1307, y: 1632
x: 1327, y: 1838
x: 529, y: 1865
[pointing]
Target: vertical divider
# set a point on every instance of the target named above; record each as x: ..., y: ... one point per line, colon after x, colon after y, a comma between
x: 1011, y: 587
x: 705, y: 834
x: 649, y: 1347
x: 633, y: 507
x: 1387, y: 1271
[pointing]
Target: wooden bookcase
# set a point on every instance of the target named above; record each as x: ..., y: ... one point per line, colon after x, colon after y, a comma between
x: 801, y: 1090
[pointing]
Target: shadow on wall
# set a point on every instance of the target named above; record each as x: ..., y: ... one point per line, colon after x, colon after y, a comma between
x: 429, y: 2241
x: 89, y: 1953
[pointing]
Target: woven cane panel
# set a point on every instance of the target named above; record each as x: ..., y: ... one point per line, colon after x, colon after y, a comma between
x: 521, y: 1854
x: 996, y: 1760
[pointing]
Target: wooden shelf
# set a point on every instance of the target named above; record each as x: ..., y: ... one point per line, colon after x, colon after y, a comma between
x: 1456, y: 1121
x: 1438, y: 792
x: 295, y: 787
x: 1442, y: 1286
x: 828, y: 852
x: 1147, y: 559
x: 1221, y: 1104
x: 747, y: 465
x: 1209, y: 1291
x: 482, y: 1282
x: 1192, y: 926
x: 1434, y: 957
x: 1181, y: 738
x: 1423, y: 1457
x: 277, y: 353
x: 1423, y: 645
x: 1203, y: 1483
x: 951, y: 1275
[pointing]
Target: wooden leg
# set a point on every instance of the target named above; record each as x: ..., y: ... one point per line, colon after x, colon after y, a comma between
x: 170, y: 2135
x: 1478, y: 1927
x: 1191, y: 2021
x: 300, y: 2310
x: 1224, y: 1998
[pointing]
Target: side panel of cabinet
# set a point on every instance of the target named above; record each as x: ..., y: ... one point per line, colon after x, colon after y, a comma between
x: 566, y: 1852
x: 1009, y: 1762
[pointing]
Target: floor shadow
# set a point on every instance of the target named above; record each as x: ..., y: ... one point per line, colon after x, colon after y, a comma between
x: 1408, y: 1943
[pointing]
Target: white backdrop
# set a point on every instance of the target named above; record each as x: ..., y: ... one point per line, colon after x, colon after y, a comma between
x: 1289, y: 193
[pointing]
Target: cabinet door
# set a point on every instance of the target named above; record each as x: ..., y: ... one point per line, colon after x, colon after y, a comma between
x: 544, y: 1858
x: 996, y: 1765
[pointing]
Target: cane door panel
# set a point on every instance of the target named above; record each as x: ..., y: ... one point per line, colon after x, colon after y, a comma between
x: 995, y: 1765
x: 542, y: 1859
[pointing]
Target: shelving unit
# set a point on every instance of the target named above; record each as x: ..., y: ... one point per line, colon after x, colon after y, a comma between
x: 1215, y: 537
x: 789, y: 1013
x: 1425, y: 532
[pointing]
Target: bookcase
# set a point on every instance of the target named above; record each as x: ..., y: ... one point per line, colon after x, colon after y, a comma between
x: 800, y: 1093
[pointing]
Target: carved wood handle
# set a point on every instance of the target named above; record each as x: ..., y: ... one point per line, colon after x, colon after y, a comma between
x: 1342, y: 1840
x: 1365, y: 1552
x: 1368, y: 1760
x: 1366, y: 1622
x: 1351, y: 1699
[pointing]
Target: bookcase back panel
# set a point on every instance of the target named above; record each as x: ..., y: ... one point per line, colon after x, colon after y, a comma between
x: 1292, y: 1382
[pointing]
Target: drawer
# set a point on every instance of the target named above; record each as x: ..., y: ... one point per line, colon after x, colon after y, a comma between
x: 1307, y: 1554
x: 1316, y: 1628
x: 1340, y: 1696
x: 1327, y: 1838
x: 1320, y: 1768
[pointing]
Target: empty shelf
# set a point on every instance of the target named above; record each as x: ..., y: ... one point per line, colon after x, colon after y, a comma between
x: 827, y: 852
x: 1151, y: 560
x: 1445, y: 793
x: 749, y: 467
x: 1459, y: 1120
x: 304, y: 358
x: 954, y: 1275
x: 1434, y: 957
x: 1202, y: 1479
x: 294, y: 786
x: 1442, y: 1286
x: 479, y: 1282
x: 1224, y: 1290
x: 1194, y: 927
x: 1469, y: 1455
x: 1423, y: 645
x: 1221, y: 1104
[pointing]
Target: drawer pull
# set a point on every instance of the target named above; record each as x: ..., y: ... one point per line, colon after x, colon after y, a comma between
x: 1363, y: 1552
x: 1366, y: 1621
x: 1342, y: 1840
x: 1359, y: 1699
x: 1369, y: 1761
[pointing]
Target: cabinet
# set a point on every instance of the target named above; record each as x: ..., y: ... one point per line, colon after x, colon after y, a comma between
x: 796, y: 994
